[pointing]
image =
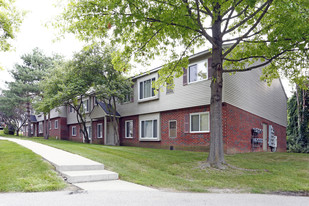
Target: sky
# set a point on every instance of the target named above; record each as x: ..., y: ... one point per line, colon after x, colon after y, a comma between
x: 33, y: 33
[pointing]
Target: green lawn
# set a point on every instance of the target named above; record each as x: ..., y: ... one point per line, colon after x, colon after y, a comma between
x: 23, y: 171
x: 180, y: 170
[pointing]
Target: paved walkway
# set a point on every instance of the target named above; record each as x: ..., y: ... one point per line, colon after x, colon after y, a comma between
x: 71, y: 165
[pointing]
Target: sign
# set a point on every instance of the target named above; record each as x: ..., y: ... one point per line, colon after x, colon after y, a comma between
x: 272, y: 141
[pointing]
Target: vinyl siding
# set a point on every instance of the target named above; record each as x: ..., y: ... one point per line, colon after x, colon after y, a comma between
x: 190, y: 95
x: 246, y: 91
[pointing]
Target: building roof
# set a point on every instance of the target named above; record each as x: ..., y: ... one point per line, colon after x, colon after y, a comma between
x: 33, y: 118
x: 107, y: 108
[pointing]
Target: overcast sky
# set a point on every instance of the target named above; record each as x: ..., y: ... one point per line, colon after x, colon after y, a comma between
x: 33, y: 34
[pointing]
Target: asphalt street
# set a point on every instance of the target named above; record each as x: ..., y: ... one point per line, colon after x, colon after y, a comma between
x: 145, y: 198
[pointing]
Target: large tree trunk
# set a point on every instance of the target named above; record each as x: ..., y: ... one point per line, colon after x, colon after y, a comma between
x: 29, y: 119
x: 216, y: 153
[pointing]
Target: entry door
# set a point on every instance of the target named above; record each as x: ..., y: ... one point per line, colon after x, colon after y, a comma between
x: 265, y: 137
x: 110, y: 139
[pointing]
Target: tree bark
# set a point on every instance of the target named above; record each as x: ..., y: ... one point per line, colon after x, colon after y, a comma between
x: 49, y: 126
x: 29, y: 119
x: 216, y: 153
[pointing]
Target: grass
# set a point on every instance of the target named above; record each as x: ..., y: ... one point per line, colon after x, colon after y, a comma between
x: 23, y: 171
x: 181, y: 170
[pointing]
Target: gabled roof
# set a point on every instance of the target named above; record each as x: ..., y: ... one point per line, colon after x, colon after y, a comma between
x: 33, y: 118
x: 107, y: 108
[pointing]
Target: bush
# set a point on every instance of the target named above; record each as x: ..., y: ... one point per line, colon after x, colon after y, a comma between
x: 6, y: 130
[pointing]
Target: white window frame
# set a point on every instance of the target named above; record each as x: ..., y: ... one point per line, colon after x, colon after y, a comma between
x: 153, y: 95
x: 201, y: 64
x: 169, y: 129
x: 99, y: 135
x: 199, y: 113
x: 126, y: 129
x: 150, y: 138
x: 56, y: 124
x: 74, y: 129
x: 32, y: 128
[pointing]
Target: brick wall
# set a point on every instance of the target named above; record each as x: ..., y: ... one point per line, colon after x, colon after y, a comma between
x: 237, y: 125
x: 94, y: 132
x: 183, y: 141
x: 62, y: 131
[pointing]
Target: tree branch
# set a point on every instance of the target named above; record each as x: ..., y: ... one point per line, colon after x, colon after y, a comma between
x: 256, y: 66
x: 248, y: 32
x: 250, y: 16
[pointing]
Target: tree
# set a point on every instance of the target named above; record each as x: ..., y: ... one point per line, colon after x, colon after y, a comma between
x: 298, y: 121
x: 10, y: 21
x: 261, y: 33
x: 11, y: 111
x: 26, y: 77
x: 89, y: 70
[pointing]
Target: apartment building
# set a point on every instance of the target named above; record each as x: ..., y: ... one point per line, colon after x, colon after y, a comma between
x: 254, y: 114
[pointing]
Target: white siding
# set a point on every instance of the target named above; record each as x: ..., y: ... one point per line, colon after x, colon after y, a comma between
x: 245, y: 90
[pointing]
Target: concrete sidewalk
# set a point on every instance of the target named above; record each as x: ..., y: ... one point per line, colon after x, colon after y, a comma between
x: 80, y: 171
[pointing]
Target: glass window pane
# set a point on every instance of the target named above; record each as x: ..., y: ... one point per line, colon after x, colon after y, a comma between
x: 195, y: 123
x: 130, y: 129
x: 193, y: 73
x: 202, y: 72
x: 147, y: 88
x: 155, y: 128
x: 204, y: 122
x: 148, y: 128
x: 141, y: 90
x: 143, y: 129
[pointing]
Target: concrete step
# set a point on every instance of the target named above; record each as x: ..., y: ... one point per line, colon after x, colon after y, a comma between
x: 89, y: 176
x: 79, y: 167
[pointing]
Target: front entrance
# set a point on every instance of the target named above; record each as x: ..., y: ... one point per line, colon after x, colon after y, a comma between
x: 110, y: 139
x: 265, y: 137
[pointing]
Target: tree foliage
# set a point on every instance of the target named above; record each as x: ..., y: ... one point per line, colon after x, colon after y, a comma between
x: 10, y: 21
x: 298, y: 122
x: 261, y: 33
x: 89, y: 71
x: 25, y: 87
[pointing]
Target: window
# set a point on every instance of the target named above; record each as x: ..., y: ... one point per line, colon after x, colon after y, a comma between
x: 198, y: 72
x: 199, y: 122
x: 145, y: 89
x: 129, y: 129
x: 86, y: 105
x: 172, y: 128
x: 149, y: 129
x: 56, y: 124
x: 99, y: 130
x: 71, y: 109
x: 40, y: 127
x: 49, y: 125
x: 74, y: 131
